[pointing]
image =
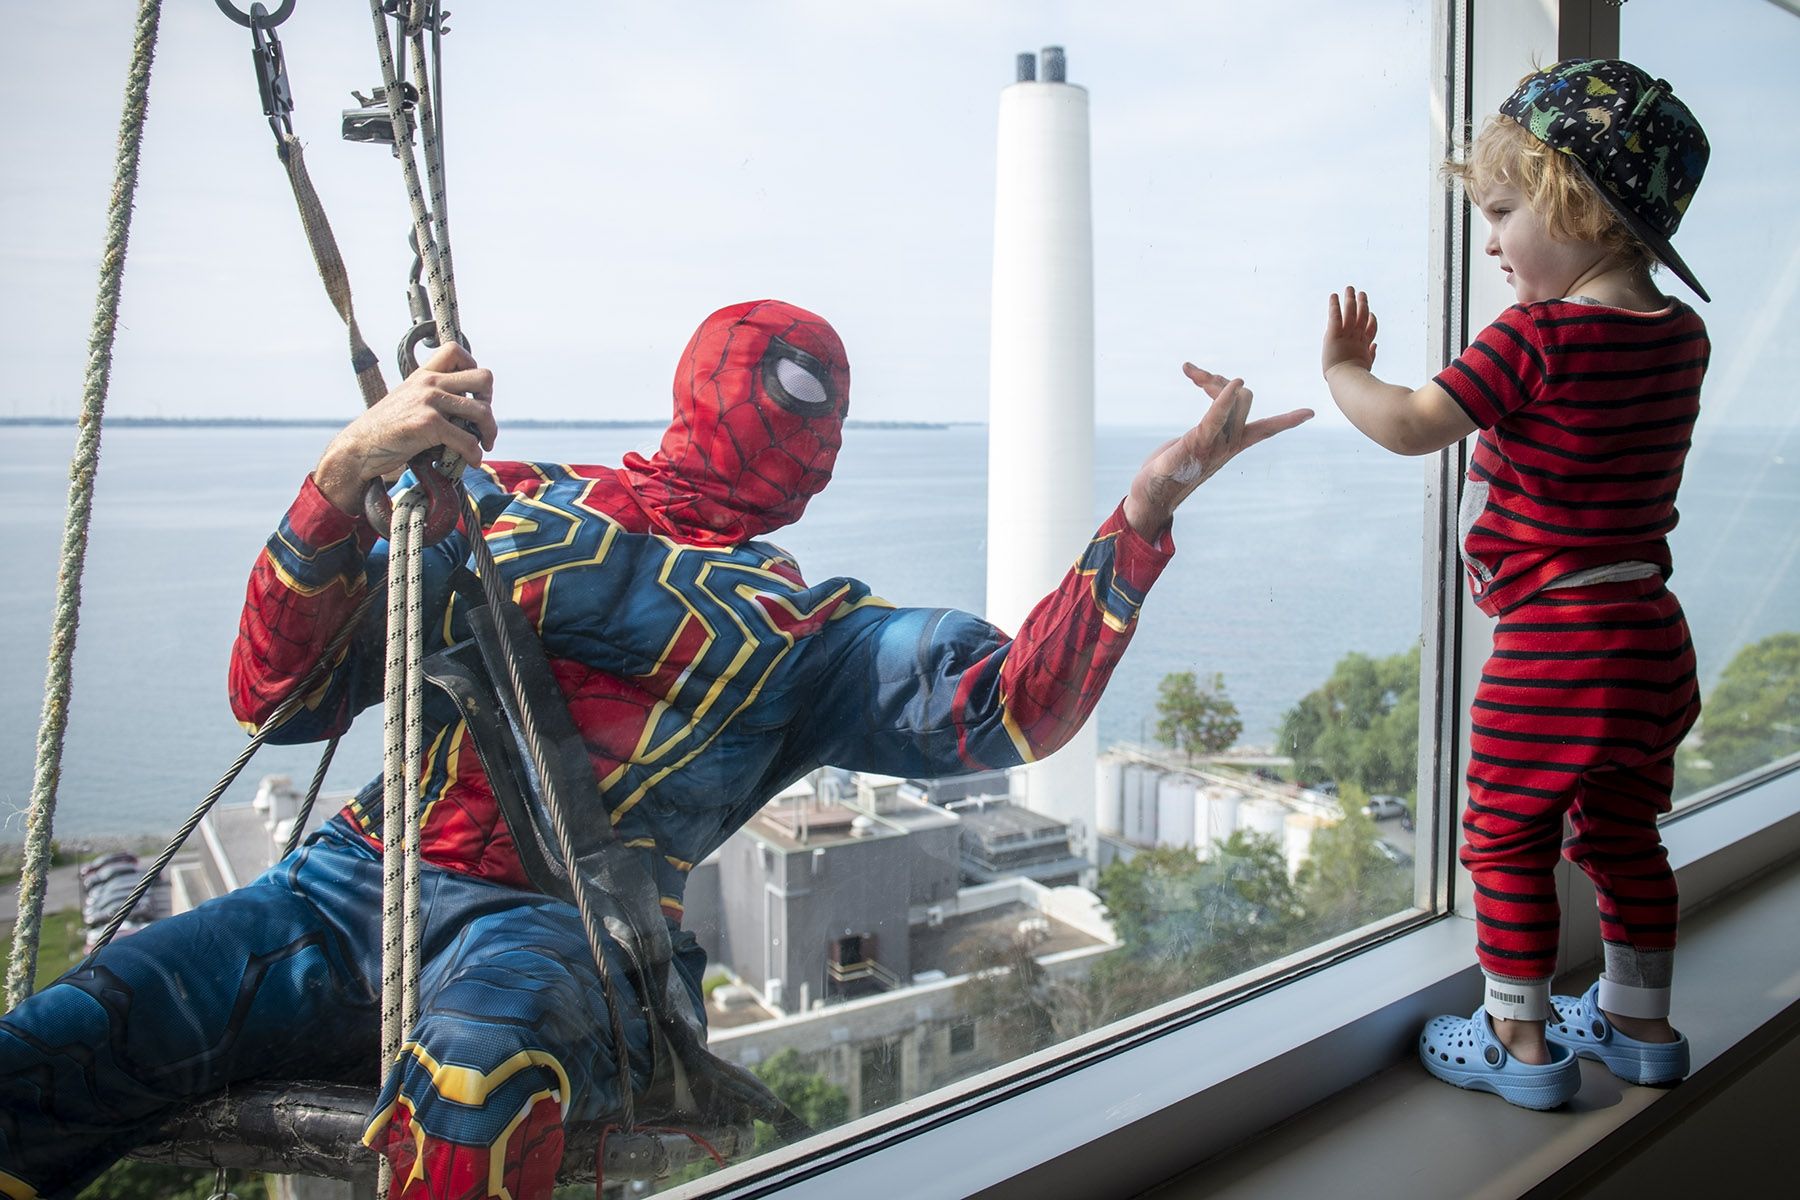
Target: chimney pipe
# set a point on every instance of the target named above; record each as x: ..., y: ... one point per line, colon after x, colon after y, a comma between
x: 1055, y: 67
x: 1027, y: 68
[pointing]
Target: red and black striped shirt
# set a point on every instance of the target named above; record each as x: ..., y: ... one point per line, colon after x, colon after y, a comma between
x: 1586, y: 415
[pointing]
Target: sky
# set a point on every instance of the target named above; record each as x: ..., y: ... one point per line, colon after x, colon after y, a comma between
x: 618, y: 171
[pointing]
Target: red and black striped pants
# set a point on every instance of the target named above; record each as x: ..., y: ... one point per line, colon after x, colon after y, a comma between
x: 1580, y: 708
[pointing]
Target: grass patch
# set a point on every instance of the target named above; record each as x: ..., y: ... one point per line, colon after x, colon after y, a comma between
x: 59, y: 945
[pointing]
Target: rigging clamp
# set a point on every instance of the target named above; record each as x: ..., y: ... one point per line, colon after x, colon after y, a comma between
x: 370, y: 121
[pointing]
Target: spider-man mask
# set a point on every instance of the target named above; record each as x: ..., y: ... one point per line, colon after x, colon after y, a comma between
x: 760, y: 397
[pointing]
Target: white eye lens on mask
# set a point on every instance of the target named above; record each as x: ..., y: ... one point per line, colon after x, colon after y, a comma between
x: 800, y: 383
x: 796, y: 380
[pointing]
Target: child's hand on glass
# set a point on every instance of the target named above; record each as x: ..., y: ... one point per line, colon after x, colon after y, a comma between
x: 1349, y: 332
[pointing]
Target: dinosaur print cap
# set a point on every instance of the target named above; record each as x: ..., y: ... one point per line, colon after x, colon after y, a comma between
x: 1639, y: 145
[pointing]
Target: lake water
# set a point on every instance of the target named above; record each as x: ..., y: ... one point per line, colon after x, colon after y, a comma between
x: 1300, y: 552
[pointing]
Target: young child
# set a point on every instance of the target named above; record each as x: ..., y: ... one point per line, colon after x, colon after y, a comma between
x: 1585, y: 392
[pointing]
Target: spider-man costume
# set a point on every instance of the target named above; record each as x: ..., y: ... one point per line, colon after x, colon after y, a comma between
x: 704, y: 675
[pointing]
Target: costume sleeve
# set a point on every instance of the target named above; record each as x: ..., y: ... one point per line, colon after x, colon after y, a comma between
x: 306, y: 583
x: 939, y: 692
x: 1502, y: 370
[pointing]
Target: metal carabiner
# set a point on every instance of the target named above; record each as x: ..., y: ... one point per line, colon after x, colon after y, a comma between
x: 271, y: 71
x: 418, y: 300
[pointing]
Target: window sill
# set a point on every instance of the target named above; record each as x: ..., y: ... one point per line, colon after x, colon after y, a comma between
x: 1404, y: 1134
x: 1146, y: 1113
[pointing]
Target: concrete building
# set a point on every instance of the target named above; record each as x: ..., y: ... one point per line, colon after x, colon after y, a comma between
x: 1149, y: 799
x: 809, y: 901
x: 238, y: 842
x: 1001, y: 839
x: 892, y: 1046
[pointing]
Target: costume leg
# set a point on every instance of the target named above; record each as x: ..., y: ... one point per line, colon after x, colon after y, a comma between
x: 513, y: 1036
x: 257, y: 982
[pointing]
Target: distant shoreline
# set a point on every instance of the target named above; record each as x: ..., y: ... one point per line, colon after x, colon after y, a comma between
x: 329, y: 423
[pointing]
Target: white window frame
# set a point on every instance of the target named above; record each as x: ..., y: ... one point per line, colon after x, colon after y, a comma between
x: 1122, y: 1109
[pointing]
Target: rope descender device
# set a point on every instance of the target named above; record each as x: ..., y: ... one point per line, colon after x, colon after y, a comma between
x: 443, y: 498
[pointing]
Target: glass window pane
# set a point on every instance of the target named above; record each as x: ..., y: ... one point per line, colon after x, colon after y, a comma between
x: 870, y: 938
x: 1737, y: 549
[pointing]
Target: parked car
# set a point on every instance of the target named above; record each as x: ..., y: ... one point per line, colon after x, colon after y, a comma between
x: 1393, y: 853
x: 106, y: 884
x: 1383, y: 807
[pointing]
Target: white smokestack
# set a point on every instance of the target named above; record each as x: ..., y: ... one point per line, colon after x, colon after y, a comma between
x: 1041, y: 380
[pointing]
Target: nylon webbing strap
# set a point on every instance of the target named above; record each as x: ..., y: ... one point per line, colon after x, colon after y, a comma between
x: 330, y: 262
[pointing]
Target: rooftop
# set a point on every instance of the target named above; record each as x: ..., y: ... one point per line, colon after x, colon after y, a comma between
x: 954, y: 946
x: 999, y: 823
x: 803, y: 822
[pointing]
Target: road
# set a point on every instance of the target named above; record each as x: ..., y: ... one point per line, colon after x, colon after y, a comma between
x: 63, y: 891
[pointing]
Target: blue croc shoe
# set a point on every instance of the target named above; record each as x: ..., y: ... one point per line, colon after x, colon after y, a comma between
x: 1465, y: 1052
x: 1583, y: 1028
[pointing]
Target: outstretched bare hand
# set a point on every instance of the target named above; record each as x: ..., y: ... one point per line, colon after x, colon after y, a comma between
x: 1182, y: 464
x: 413, y: 417
x: 1350, y: 328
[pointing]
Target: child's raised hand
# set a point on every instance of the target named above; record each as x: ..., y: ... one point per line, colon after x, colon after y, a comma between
x: 1349, y: 331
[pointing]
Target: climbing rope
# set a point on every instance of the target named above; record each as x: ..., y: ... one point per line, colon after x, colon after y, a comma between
x: 402, y: 767
x: 33, y: 878
x: 402, y: 730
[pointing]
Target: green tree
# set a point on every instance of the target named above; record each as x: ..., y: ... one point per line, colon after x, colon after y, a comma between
x: 1752, y: 716
x: 813, y: 1098
x: 1193, y: 719
x: 1346, y: 881
x: 1361, y: 726
x: 128, y: 1180
x: 1184, y: 923
x: 1006, y: 985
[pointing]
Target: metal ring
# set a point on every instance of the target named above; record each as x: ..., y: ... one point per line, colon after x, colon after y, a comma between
x: 424, y: 333
x: 275, y: 18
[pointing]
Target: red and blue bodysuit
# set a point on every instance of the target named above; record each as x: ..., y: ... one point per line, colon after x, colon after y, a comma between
x: 703, y: 673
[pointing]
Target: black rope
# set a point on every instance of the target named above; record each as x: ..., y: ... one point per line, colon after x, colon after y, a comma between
x: 312, y: 796
x: 296, y: 699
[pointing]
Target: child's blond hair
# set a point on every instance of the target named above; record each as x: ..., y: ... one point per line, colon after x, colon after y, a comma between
x: 1570, y: 206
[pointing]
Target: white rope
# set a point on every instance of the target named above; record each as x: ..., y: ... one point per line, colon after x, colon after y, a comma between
x: 33, y: 877
x: 402, y: 921
x: 393, y: 812
x: 403, y: 736
x: 437, y: 281
x: 414, y: 634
